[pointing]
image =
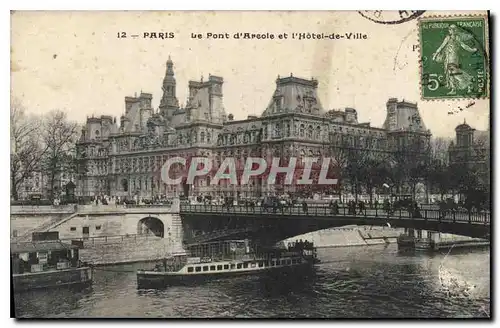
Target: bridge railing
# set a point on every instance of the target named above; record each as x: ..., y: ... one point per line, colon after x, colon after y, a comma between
x: 42, y: 209
x: 148, y: 205
x: 325, y: 211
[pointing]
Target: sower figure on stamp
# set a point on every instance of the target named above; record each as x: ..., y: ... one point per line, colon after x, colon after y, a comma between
x: 448, y: 54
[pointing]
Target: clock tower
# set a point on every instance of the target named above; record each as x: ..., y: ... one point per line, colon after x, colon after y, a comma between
x: 169, y: 102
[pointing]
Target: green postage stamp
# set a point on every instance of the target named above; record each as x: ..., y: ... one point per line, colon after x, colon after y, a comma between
x: 454, y: 57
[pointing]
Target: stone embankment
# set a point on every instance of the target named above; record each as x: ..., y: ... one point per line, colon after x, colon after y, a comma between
x: 349, y: 236
x: 127, y: 249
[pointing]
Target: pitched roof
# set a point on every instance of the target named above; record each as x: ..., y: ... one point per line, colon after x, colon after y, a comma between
x: 295, y: 94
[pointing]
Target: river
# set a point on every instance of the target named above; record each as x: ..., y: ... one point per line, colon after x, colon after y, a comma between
x: 354, y: 282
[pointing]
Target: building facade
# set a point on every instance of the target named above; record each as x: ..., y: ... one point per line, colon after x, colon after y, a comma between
x: 125, y: 158
x: 38, y: 185
x: 471, y: 151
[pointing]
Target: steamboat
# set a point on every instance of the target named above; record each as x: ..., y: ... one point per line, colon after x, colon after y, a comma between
x: 226, y: 259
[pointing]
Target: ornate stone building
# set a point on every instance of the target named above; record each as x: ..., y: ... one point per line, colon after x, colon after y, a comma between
x: 471, y: 150
x: 125, y: 158
x: 38, y: 186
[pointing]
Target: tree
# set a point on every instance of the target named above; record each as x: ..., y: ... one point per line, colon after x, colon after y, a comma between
x: 439, y: 149
x: 339, y: 152
x: 438, y: 175
x: 374, y: 173
x: 59, y: 137
x: 464, y: 180
x: 411, y: 156
x: 357, y: 161
x: 26, y: 146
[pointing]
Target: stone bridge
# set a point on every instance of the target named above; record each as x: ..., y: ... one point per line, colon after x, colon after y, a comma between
x: 202, y: 223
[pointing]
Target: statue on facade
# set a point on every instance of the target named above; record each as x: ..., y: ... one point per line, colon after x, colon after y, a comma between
x: 277, y: 130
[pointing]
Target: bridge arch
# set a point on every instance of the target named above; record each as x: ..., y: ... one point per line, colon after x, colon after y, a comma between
x: 151, y: 226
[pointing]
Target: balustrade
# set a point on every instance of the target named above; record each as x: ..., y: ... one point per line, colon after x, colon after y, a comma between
x: 326, y: 211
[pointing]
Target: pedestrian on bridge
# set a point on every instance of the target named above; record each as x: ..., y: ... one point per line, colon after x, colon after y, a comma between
x: 304, y: 206
x: 334, y: 206
x: 416, y: 211
x: 361, y: 207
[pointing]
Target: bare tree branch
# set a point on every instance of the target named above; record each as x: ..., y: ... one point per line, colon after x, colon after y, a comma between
x: 59, y: 137
x: 26, y: 147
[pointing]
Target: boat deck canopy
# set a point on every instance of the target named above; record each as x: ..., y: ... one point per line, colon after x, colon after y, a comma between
x: 39, y: 246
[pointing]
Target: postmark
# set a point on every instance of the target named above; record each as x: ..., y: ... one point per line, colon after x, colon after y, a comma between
x: 453, y: 57
x: 391, y: 17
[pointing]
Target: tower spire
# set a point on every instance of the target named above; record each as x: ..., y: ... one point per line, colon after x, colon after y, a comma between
x: 169, y: 101
x: 170, y: 67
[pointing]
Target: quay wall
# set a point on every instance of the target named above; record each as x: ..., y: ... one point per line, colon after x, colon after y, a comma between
x: 106, y: 225
x: 25, y: 224
x: 447, y: 237
x: 350, y: 236
x: 110, y: 235
x: 128, y: 249
x: 92, y: 222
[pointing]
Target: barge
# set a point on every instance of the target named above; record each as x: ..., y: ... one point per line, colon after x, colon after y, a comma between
x: 47, y: 264
x: 234, y: 260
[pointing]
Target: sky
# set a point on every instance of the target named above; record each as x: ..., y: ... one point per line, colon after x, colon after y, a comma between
x: 74, y: 61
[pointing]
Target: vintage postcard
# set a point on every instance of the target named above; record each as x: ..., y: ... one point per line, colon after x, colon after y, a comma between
x: 205, y: 164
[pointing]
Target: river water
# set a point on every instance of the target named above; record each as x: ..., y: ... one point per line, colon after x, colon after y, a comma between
x: 355, y: 282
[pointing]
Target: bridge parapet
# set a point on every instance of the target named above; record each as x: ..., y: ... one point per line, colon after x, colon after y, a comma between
x: 39, y: 210
x: 112, y: 209
x: 477, y: 218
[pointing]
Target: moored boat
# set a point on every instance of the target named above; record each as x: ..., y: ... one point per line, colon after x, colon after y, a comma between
x: 47, y: 264
x: 185, y: 270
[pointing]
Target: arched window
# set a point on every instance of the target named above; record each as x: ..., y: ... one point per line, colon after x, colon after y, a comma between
x: 309, y: 132
x: 125, y: 184
x: 302, y: 130
x: 202, y: 136
x: 288, y: 129
x: 318, y: 132
x: 208, y: 137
